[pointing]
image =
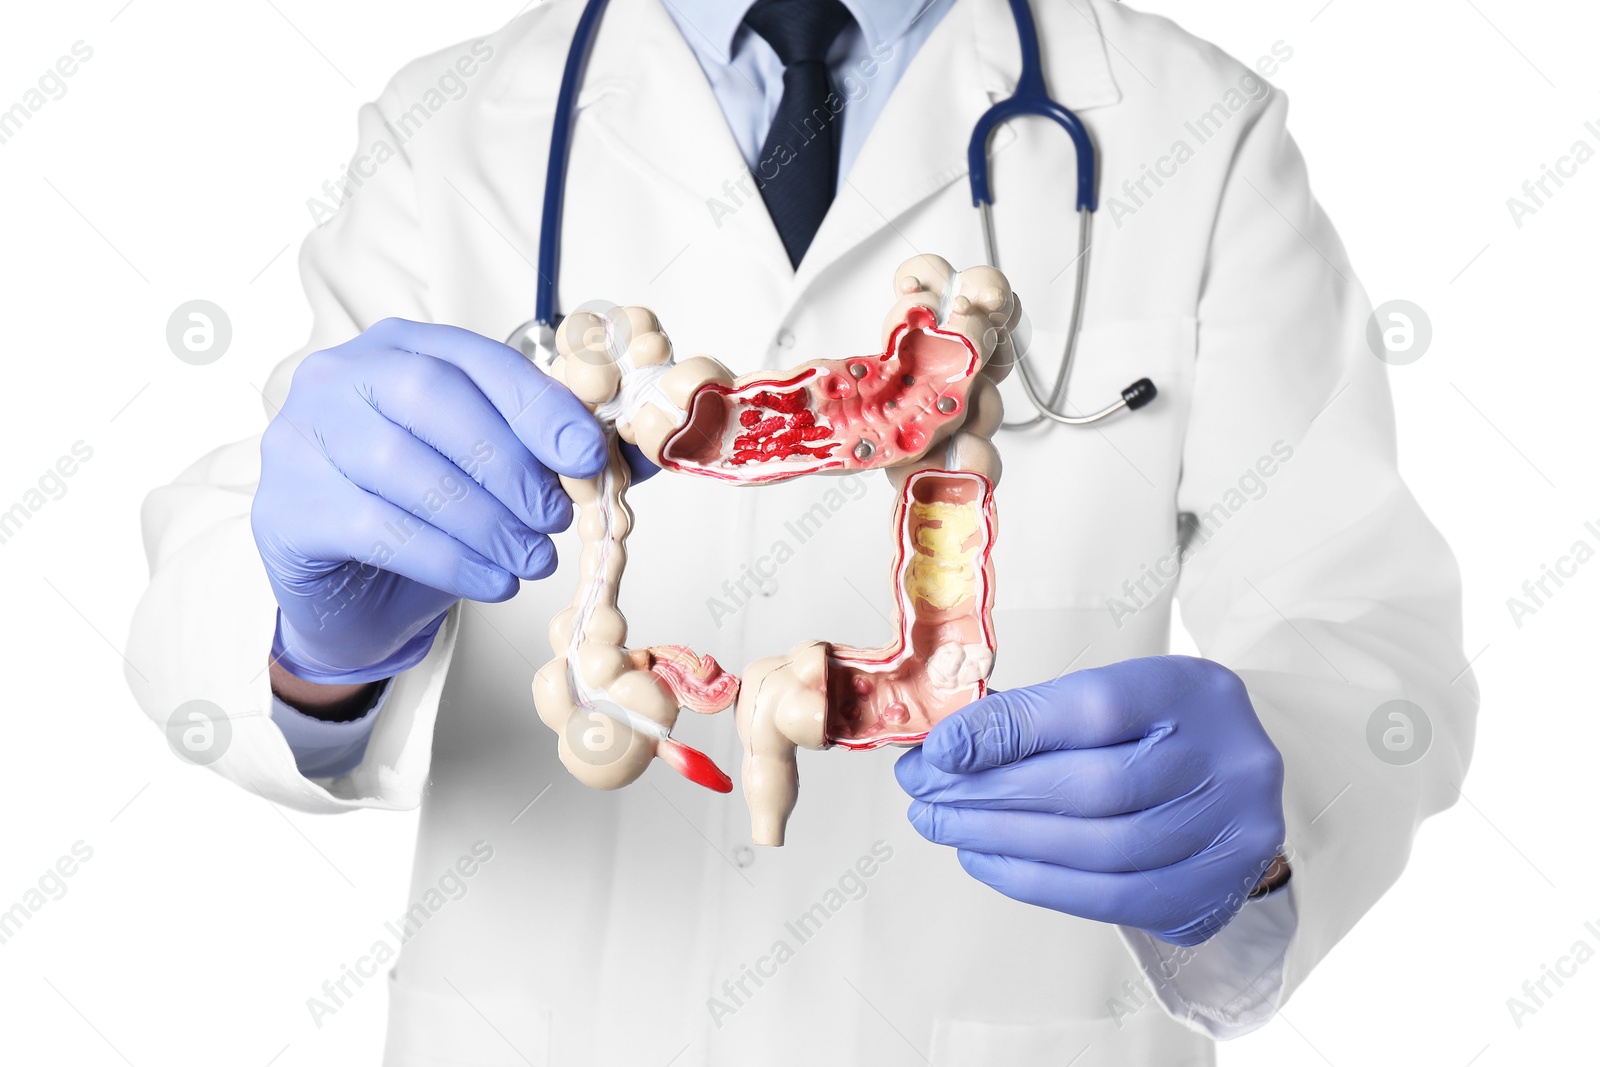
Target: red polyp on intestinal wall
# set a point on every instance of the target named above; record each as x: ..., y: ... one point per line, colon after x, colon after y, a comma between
x: 790, y: 430
x: 860, y: 413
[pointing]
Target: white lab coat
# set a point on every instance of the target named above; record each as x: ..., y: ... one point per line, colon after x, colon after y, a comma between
x: 604, y: 924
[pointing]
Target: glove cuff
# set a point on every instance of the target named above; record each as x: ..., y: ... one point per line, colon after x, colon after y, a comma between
x: 289, y: 651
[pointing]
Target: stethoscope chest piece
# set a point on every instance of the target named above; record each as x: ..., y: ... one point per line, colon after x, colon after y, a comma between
x: 535, y: 339
x: 1032, y: 99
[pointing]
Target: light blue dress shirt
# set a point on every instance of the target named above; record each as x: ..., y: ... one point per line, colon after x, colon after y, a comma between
x: 747, y: 77
x: 745, y: 74
x: 327, y: 749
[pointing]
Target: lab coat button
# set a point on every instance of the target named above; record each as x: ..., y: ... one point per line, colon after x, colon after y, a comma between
x: 767, y: 587
x: 744, y: 856
x: 786, y: 339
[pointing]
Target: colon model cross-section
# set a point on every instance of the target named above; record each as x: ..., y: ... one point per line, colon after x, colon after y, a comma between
x: 923, y: 409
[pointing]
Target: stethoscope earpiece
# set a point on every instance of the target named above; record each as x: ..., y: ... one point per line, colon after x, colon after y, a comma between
x: 1139, y: 394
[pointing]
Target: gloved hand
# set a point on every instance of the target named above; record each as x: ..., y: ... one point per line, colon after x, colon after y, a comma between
x: 1145, y: 794
x: 410, y: 468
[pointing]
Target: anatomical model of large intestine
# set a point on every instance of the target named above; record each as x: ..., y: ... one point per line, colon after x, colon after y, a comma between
x: 923, y: 409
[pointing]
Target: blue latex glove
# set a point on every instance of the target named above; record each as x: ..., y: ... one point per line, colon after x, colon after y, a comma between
x: 410, y: 468
x: 1145, y: 794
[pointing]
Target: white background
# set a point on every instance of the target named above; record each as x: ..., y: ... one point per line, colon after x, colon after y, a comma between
x: 178, y: 165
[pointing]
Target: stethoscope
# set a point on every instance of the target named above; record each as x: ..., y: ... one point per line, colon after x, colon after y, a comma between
x: 536, y: 337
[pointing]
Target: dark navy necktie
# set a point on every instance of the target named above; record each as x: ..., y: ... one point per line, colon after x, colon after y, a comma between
x: 799, y: 167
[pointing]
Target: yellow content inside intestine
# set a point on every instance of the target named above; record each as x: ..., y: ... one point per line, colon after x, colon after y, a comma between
x: 945, y: 575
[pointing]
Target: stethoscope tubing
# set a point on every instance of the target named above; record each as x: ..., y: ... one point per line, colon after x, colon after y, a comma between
x: 536, y: 338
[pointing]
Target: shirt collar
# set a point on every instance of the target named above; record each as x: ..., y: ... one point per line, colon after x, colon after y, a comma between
x: 718, y: 21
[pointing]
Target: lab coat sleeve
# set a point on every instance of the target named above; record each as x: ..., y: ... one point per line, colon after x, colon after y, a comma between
x: 325, y: 749
x: 204, y: 627
x: 1312, y: 572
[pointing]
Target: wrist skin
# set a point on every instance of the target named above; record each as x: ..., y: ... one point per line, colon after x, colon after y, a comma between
x: 329, y: 703
x: 1277, y: 875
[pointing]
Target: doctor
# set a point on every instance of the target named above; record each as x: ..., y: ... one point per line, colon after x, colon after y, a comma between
x: 1117, y: 858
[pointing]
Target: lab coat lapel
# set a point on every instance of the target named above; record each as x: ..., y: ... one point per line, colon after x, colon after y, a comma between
x: 648, y: 115
x: 645, y: 93
x: 919, y: 143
